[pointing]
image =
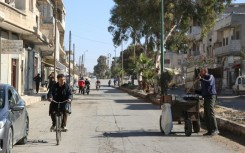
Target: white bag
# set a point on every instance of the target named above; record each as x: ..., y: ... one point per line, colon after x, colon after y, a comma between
x: 166, y: 119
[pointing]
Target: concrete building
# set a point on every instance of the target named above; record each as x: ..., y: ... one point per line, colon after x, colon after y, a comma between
x: 174, y: 62
x: 47, y: 9
x: 20, y: 20
x: 33, y: 22
x: 223, y: 44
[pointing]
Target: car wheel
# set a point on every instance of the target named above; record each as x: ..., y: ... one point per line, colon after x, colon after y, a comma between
x: 24, y: 139
x: 10, y: 141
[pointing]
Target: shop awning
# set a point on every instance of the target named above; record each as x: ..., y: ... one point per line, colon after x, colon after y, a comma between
x: 47, y: 64
x: 60, y: 66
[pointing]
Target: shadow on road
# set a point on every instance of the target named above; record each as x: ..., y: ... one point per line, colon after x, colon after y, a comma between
x: 144, y: 134
x: 136, y: 101
x: 142, y: 107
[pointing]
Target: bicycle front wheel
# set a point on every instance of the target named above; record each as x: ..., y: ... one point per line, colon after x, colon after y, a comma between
x: 58, y: 129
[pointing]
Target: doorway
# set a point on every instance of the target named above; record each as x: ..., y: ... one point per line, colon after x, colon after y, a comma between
x: 14, y: 74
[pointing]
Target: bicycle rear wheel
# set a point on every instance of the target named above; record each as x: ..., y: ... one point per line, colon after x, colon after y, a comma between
x: 58, y: 129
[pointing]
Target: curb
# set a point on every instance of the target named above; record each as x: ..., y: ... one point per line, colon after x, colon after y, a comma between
x: 31, y: 99
x: 223, y: 124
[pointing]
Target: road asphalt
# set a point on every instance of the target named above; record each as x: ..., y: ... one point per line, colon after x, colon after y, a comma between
x: 110, y: 121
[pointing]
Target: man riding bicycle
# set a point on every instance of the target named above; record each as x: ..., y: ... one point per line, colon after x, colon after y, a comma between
x: 97, y: 84
x: 59, y: 92
x: 87, y: 84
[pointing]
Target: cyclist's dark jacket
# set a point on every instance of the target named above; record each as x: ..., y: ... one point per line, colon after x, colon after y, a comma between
x: 87, y: 82
x: 59, y: 94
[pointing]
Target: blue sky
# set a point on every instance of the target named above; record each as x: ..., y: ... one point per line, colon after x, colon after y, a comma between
x: 88, y: 21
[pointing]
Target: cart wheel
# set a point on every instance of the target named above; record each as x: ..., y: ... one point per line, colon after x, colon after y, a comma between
x: 196, y: 126
x: 161, y: 125
x: 188, y: 127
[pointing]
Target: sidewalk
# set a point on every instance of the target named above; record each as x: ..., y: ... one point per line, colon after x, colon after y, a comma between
x: 31, y: 99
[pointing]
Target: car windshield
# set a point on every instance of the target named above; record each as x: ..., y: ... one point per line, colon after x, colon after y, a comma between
x: 1, y: 98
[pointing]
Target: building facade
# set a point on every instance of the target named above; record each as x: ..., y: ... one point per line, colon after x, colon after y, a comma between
x: 33, y: 23
x: 223, y: 45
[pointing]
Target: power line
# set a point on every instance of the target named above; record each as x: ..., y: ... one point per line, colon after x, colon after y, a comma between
x: 105, y: 43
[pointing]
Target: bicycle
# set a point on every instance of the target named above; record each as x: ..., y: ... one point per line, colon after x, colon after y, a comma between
x: 97, y: 86
x: 58, y: 117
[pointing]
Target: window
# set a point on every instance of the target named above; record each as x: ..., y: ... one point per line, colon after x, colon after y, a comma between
x: 223, y: 41
x: 179, y: 61
x: 237, y: 35
x: 226, y: 41
x: 166, y: 61
x: 239, y: 81
x: 243, y: 80
x: 11, y: 99
x: 16, y: 95
x: 2, y: 97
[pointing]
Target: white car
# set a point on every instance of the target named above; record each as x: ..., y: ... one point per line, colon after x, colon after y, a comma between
x: 239, y: 85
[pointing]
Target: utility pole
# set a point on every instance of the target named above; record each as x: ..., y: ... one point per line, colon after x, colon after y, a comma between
x: 162, y: 46
x: 122, y: 63
x: 84, y: 60
x: 80, y: 65
x: 115, y: 53
x: 55, y: 38
x: 74, y: 63
x: 69, y: 58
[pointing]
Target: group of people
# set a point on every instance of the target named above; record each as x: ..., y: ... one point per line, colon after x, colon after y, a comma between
x: 83, y: 85
x: 61, y: 91
x: 38, y: 80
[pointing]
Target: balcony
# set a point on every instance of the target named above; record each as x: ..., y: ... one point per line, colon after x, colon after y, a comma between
x: 62, y: 51
x: 195, y: 33
x: 61, y: 21
x: 15, y: 20
x: 63, y: 60
x: 196, y: 53
x: 234, y: 48
x: 223, y: 22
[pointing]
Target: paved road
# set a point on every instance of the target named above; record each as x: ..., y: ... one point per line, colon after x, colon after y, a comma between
x: 235, y: 102
x: 109, y: 121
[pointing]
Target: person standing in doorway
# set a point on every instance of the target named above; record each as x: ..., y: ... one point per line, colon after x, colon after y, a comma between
x: 209, y: 93
x: 38, y: 80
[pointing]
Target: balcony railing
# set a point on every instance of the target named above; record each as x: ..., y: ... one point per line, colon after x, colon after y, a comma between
x: 234, y: 48
x: 16, y: 17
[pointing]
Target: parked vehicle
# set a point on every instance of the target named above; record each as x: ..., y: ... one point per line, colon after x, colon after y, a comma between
x: 239, y: 85
x: 14, y: 119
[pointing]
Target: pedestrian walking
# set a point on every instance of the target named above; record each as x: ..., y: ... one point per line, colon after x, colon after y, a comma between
x: 115, y: 81
x: 209, y: 93
x: 38, y: 79
x: 109, y: 83
x: 51, y: 83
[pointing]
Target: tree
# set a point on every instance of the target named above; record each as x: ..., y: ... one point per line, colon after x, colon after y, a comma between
x: 101, y: 68
x: 139, y: 19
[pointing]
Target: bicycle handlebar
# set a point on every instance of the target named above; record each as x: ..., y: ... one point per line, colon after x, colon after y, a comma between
x: 59, y: 102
